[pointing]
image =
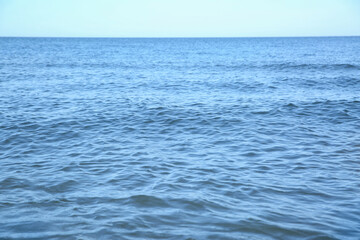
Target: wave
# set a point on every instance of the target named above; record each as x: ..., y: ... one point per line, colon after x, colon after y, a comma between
x: 292, y: 66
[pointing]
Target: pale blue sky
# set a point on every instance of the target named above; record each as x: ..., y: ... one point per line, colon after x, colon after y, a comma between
x: 179, y: 18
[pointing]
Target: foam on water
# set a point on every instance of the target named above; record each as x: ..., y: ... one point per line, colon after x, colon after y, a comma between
x: 252, y: 138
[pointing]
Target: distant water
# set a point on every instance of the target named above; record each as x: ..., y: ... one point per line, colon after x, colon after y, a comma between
x: 250, y: 138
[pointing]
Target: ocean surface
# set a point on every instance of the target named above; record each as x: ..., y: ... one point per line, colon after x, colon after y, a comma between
x: 218, y: 138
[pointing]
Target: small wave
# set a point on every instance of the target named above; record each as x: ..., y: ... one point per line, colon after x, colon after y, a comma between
x: 147, y: 201
x: 282, y: 66
x: 12, y: 183
x: 61, y: 187
x: 290, y: 66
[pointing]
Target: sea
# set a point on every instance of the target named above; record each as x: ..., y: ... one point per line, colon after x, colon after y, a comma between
x: 180, y: 138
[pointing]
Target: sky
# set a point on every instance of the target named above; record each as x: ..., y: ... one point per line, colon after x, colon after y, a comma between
x: 179, y: 18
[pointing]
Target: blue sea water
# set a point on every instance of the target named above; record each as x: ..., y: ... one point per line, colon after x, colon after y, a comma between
x: 219, y: 138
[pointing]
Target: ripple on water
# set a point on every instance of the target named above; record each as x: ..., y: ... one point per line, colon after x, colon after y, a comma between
x: 180, y: 139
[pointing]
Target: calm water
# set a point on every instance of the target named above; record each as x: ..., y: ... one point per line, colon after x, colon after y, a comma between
x: 253, y: 138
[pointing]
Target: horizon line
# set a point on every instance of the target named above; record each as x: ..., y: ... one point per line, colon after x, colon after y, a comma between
x: 305, y: 36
